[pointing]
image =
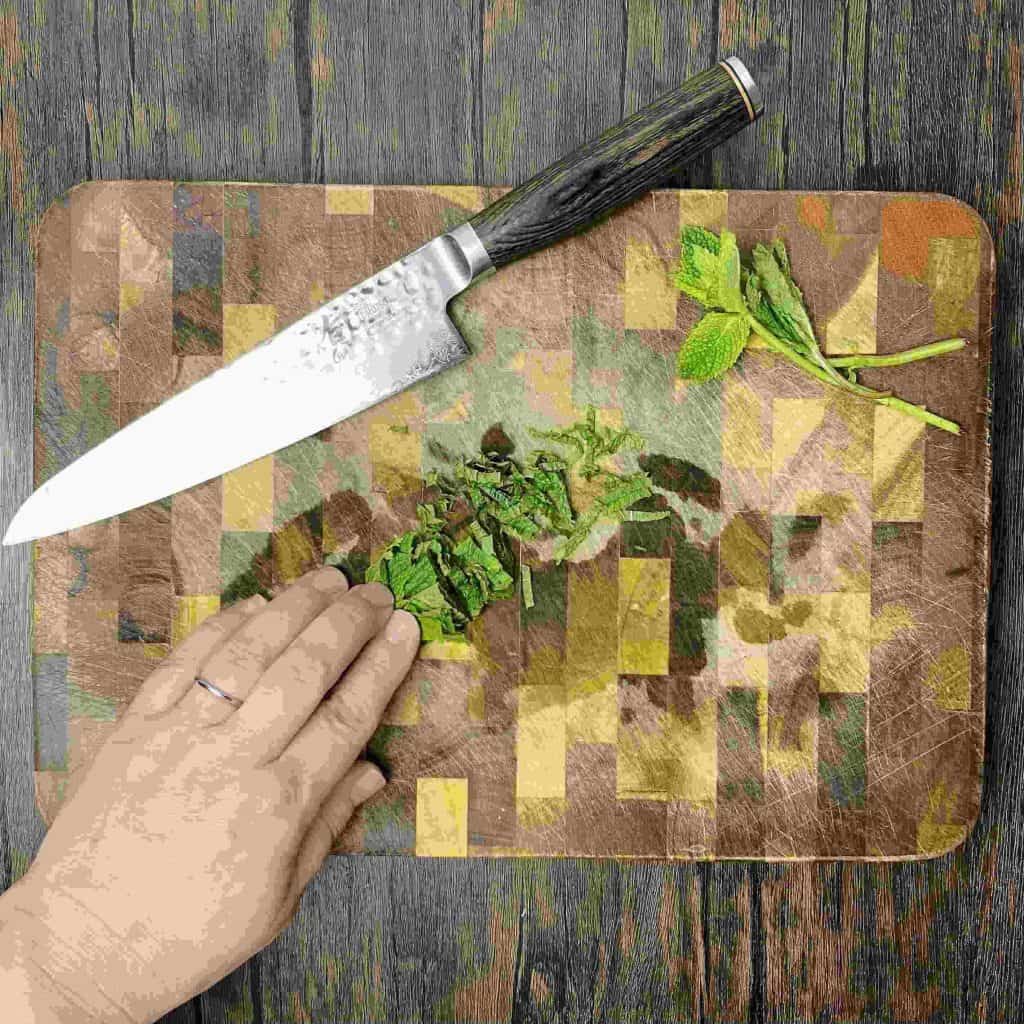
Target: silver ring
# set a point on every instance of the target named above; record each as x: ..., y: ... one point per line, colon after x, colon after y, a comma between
x: 218, y: 692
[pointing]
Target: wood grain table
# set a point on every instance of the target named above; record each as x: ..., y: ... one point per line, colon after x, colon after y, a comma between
x: 901, y: 94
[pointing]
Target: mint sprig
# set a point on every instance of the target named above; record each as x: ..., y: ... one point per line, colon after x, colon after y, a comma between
x: 762, y: 298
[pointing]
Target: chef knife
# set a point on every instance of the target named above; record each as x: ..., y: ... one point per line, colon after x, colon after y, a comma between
x: 388, y: 332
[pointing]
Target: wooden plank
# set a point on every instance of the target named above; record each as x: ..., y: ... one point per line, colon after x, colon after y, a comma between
x: 221, y: 90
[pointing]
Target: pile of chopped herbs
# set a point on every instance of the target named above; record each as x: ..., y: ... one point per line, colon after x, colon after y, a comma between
x: 760, y: 297
x: 461, y: 555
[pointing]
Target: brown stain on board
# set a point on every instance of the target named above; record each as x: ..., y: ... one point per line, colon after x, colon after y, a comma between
x: 909, y: 225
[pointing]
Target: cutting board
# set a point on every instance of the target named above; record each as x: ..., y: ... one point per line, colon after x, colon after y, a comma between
x: 791, y: 665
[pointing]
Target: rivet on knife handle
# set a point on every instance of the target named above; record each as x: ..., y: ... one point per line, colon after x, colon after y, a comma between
x: 625, y: 162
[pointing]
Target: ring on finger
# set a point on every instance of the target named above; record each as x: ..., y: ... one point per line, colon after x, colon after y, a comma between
x: 218, y: 692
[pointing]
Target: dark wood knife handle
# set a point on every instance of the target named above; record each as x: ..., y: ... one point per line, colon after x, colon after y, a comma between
x: 622, y: 164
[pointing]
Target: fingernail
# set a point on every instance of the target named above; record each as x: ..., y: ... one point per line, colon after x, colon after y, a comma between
x: 367, y: 781
x: 327, y: 579
x: 403, y: 625
x: 376, y: 594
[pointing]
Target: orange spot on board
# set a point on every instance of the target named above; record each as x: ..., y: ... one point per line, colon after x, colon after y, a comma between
x: 908, y: 225
x: 814, y: 212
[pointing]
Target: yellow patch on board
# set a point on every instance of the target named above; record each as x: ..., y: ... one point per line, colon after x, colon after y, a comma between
x: 794, y: 420
x: 131, y: 295
x: 949, y: 678
x: 743, y: 441
x: 396, y: 460
x: 293, y: 552
x: 845, y: 633
x: 676, y: 760
x: 898, y: 471
x: 404, y: 708
x: 790, y: 760
x: 537, y: 812
x: 155, y: 652
x: 891, y: 619
x: 705, y: 208
x: 442, y: 817
x: 247, y: 496
x: 853, y: 328
x: 832, y: 507
x: 548, y: 377
x: 317, y: 294
x: 245, y: 326
x: 644, y: 615
x: 745, y: 554
x: 592, y: 711
x: 449, y: 650
x: 476, y: 703
x: 348, y: 199
x: 952, y: 276
x: 469, y: 197
x: 935, y: 832
x: 855, y: 454
x: 648, y: 295
x: 190, y: 611
x: 540, y: 742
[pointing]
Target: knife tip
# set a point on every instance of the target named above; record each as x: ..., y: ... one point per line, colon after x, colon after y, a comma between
x: 16, y: 533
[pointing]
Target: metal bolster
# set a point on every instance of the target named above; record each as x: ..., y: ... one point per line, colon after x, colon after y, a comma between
x: 472, y: 249
x: 748, y: 87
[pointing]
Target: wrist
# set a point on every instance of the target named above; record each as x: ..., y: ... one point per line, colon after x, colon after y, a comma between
x: 52, y: 972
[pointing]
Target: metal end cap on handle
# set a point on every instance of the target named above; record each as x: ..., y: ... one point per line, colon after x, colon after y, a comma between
x: 747, y: 86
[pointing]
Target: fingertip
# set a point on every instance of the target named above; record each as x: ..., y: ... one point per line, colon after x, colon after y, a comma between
x: 404, y: 627
x: 375, y: 594
x: 365, y: 780
x: 327, y: 578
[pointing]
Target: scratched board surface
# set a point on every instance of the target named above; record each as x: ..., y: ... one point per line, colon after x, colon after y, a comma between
x: 790, y: 665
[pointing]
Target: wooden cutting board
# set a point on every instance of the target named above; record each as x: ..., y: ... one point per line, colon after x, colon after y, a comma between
x: 790, y: 666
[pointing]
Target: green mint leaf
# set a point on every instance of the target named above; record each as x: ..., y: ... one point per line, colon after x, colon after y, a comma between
x: 713, y: 345
x: 730, y: 297
x: 700, y: 265
x: 782, y: 302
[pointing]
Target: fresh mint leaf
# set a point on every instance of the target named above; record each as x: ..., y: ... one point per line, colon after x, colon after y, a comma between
x: 730, y: 297
x: 700, y: 265
x: 713, y: 345
x: 781, y: 300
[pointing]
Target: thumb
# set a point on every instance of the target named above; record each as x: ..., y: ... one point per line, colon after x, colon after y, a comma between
x: 355, y: 787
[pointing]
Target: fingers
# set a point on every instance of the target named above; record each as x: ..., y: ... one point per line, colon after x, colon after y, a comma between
x: 173, y: 678
x: 280, y: 703
x: 346, y: 719
x: 235, y: 666
x: 357, y: 785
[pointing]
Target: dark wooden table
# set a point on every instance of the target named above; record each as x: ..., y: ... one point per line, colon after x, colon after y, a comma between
x: 888, y: 94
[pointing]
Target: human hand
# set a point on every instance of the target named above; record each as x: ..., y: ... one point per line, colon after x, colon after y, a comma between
x: 189, y: 841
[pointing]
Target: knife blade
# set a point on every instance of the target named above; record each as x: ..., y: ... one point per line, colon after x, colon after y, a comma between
x: 386, y: 333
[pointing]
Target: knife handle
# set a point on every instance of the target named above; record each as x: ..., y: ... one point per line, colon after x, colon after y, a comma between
x: 621, y: 164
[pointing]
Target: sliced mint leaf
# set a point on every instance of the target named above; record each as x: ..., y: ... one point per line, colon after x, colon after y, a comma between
x: 713, y: 345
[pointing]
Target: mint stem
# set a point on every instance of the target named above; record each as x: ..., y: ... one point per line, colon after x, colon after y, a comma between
x: 917, y: 411
x: 935, y: 348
